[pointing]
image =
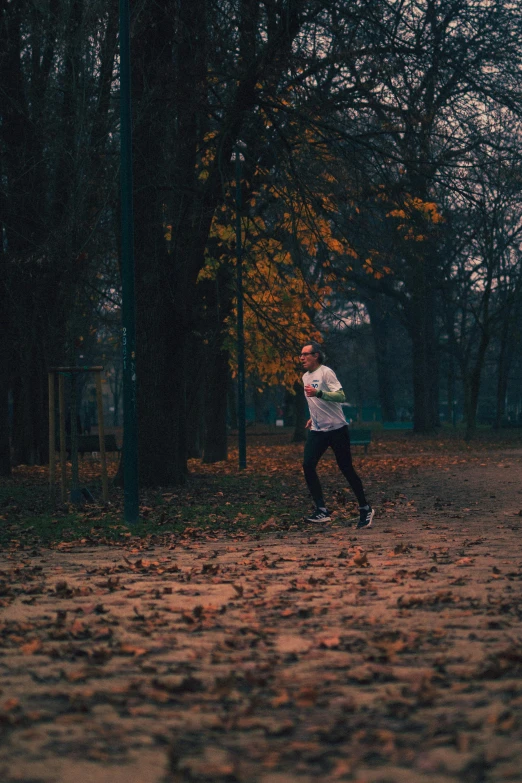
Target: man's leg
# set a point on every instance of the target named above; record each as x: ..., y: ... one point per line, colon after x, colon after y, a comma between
x: 316, y: 445
x: 340, y: 443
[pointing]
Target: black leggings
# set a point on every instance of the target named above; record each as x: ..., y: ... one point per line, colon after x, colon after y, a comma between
x: 316, y: 445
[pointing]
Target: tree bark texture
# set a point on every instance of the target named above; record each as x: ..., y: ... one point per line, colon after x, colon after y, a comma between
x: 54, y: 181
x: 171, y: 115
x: 302, y: 415
x: 380, y: 331
x: 215, y: 448
x: 5, y: 441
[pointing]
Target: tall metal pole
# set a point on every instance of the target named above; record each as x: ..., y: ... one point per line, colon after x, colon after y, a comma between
x: 130, y: 418
x: 241, y: 409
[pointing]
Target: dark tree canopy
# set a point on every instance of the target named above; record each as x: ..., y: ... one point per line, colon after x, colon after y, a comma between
x: 381, y: 161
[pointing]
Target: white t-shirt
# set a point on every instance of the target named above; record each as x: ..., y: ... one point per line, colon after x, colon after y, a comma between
x: 325, y: 415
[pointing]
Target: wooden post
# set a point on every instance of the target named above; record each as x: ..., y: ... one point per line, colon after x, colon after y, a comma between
x: 75, y: 491
x: 63, y: 463
x: 52, y: 436
x: 101, y: 435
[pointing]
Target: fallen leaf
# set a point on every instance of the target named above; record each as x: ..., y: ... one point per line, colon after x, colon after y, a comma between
x: 306, y: 697
x: 464, y: 561
x: 130, y: 649
x: 330, y: 643
x: 361, y: 560
x: 281, y: 699
x: 10, y: 704
x: 31, y: 647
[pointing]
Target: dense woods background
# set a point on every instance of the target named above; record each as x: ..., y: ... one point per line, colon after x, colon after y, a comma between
x: 383, y: 202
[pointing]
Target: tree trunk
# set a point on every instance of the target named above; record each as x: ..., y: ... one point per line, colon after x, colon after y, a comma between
x: 232, y: 403
x: 451, y: 414
x: 116, y: 412
x: 39, y: 345
x: 380, y: 330
x: 301, y: 415
x: 23, y: 431
x: 118, y: 480
x: 164, y: 271
x: 504, y: 360
x: 196, y: 421
x: 421, y: 323
x: 5, y: 450
x: 47, y: 191
x: 171, y: 91
x: 502, y: 384
x: 425, y: 385
x: 163, y: 367
x: 216, y: 448
x: 257, y: 399
x: 23, y: 230
x: 472, y: 386
x: 5, y: 363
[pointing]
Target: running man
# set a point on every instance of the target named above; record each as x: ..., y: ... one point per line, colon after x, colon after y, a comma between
x: 327, y: 427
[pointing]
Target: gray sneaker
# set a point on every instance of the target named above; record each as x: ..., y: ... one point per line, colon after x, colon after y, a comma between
x: 319, y: 515
x: 366, y: 514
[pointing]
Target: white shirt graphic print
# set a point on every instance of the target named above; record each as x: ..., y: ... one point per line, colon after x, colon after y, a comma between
x: 325, y: 415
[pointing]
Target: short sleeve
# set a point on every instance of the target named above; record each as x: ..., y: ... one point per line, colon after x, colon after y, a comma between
x: 331, y: 380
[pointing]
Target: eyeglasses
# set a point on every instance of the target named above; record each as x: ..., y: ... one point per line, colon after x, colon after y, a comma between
x: 310, y: 353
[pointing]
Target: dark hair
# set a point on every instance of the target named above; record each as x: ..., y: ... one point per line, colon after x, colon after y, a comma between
x: 316, y: 348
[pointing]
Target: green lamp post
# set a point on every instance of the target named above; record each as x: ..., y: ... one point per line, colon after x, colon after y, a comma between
x: 130, y: 419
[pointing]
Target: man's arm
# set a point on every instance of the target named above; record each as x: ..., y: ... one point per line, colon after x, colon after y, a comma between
x: 331, y: 396
x: 328, y: 396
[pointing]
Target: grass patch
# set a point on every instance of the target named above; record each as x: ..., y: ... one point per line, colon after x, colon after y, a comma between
x: 209, y: 503
x: 269, y: 495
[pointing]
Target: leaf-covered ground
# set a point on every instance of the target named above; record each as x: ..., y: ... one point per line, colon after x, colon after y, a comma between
x: 230, y: 642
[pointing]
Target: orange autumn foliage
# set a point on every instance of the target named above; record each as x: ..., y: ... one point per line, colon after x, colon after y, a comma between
x: 288, y: 252
x: 413, y: 212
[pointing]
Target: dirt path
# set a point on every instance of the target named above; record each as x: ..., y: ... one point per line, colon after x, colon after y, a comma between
x: 390, y: 655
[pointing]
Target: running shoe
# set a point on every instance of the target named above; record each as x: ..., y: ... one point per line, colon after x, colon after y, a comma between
x: 319, y: 515
x: 366, y: 514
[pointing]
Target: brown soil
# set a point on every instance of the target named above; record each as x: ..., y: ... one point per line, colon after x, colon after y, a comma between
x: 393, y: 654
